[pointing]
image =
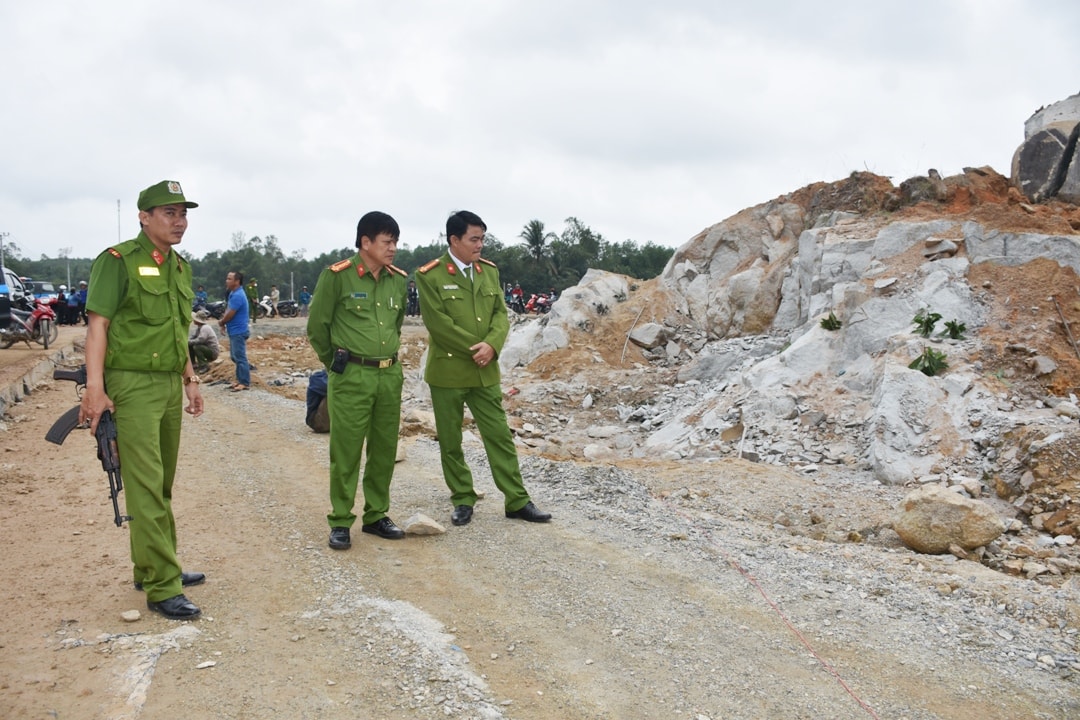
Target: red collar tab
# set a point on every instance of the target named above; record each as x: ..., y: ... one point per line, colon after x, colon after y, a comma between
x: 477, y: 268
x: 158, y: 257
x: 359, y: 270
x: 451, y: 268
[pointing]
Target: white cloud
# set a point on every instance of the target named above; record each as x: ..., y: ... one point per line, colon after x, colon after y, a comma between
x: 647, y: 121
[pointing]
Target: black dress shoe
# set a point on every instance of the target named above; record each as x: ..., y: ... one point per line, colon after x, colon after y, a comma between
x: 384, y: 528
x: 462, y: 515
x: 177, y: 607
x: 530, y: 512
x: 186, y: 579
x: 339, y: 538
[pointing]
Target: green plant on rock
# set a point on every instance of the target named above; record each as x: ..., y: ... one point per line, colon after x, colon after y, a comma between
x: 925, y: 322
x: 831, y: 323
x: 955, y: 329
x: 930, y: 363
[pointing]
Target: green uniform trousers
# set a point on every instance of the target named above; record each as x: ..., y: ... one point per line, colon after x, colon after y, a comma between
x: 364, y: 404
x: 201, y: 355
x: 149, y: 413
x: 486, y: 406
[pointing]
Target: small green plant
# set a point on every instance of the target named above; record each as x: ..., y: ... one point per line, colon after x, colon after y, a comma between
x: 831, y: 323
x: 620, y: 296
x: 955, y: 329
x: 601, y: 309
x: 930, y: 363
x: 925, y: 322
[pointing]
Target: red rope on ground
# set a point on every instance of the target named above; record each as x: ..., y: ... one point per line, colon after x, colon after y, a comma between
x: 754, y: 581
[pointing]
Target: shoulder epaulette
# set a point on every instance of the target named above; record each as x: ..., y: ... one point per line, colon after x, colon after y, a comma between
x: 427, y: 266
x: 398, y: 270
x: 488, y: 262
x: 341, y: 265
x: 125, y: 248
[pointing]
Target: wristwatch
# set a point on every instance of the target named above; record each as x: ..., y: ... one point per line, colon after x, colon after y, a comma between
x: 192, y: 379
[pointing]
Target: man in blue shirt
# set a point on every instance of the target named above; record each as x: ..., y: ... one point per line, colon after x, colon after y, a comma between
x: 201, y: 297
x: 81, y: 296
x: 235, y: 324
x: 305, y: 301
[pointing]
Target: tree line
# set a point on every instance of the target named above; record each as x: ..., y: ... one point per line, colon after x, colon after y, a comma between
x: 538, y: 260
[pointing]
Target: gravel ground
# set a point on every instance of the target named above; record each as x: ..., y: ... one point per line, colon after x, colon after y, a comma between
x: 661, y: 589
x: 633, y: 606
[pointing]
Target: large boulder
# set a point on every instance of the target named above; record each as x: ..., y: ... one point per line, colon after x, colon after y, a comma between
x: 1047, y: 163
x: 1063, y: 115
x: 1070, y: 186
x: 933, y: 518
x: 1041, y: 163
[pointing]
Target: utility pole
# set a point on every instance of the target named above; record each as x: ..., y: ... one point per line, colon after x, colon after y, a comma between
x: 66, y: 254
x: 119, y: 232
x: 2, y: 236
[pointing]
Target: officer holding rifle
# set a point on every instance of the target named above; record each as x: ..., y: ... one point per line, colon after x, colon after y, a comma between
x: 139, y: 308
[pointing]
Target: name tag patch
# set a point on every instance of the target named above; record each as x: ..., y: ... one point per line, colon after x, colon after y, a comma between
x: 144, y: 271
x: 450, y: 287
x: 359, y: 296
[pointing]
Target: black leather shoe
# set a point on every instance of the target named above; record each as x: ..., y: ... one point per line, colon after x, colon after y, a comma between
x: 530, y: 512
x: 384, y: 528
x: 462, y: 515
x: 186, y: 579
x: 339, y: 538
x: 177, y: 607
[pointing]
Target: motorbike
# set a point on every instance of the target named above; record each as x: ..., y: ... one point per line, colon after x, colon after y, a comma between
x: 517, y: 304
x: 38, y: 323
x: 288, y: 308
x: 538, y: 303
x: 263, y: 308
x: 217, y: 308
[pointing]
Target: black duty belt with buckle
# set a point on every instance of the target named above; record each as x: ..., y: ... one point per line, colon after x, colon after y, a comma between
x: 382, y: 364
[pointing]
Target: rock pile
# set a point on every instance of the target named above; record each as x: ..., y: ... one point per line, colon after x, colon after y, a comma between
x: 949, y: 359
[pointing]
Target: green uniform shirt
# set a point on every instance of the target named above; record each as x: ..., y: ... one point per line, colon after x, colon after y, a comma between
x: 146, y: 296
x: 351, y: 309
x: 459, y: 313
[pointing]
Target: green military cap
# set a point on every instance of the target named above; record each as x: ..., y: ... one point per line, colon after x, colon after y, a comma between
x: 166, y: 192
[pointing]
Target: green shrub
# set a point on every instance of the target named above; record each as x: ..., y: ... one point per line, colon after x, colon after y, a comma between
x: 831, y: 323
x: 930, y: 363
x: 925, y: 322
x: 955, y: 329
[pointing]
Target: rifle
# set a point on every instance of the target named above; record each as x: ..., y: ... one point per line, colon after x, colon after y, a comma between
x: 106, y: 439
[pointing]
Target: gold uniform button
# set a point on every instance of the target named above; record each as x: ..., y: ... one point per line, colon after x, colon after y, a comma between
x: 477, y: 319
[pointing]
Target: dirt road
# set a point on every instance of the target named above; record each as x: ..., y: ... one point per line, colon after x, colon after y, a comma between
x: 626, y: 606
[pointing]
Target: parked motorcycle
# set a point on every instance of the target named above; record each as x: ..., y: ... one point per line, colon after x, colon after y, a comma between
x: 38, y: 323
x: 217, y: 308
x: 288, y: 308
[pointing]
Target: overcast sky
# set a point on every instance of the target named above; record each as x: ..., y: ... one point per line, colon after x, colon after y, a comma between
x: 648, y: 121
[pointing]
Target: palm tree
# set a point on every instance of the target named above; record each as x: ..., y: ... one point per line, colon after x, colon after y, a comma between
x: 535, y: 239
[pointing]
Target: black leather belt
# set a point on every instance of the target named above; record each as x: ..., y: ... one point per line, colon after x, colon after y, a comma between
x: 372, y: 362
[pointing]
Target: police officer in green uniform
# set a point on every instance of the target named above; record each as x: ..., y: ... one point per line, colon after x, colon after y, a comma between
x: 251, y: 290
x: 137, y: 367
x: 354, y: 327
x: 465, y: 315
